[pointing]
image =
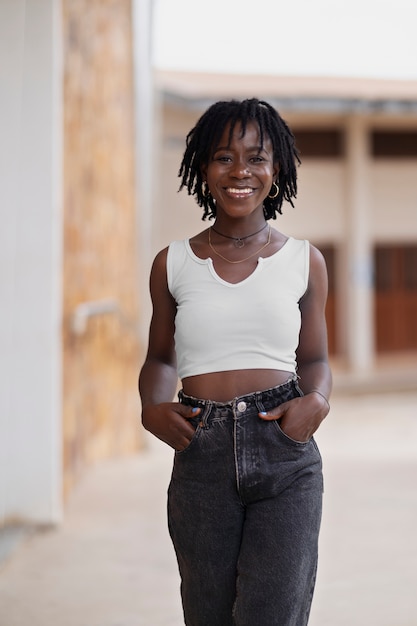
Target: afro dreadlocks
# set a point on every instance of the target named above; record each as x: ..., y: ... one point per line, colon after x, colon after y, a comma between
x: 203, y: 139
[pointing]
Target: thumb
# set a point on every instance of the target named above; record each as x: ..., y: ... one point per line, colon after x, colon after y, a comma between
x: 273, y: 414
x: 189, y: 411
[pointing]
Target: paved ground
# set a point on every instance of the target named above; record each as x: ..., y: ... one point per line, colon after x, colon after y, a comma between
x: 111, y: 562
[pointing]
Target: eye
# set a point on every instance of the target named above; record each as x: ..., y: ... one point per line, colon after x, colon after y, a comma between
x: 224, y: 159
x: 257, y: 159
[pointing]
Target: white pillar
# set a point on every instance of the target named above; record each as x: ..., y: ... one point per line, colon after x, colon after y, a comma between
x: 144, y: 152
x: 358, y: 290
x: 30, y: 261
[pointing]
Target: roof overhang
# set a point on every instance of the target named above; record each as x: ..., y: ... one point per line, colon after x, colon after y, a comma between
x: 193, y: 90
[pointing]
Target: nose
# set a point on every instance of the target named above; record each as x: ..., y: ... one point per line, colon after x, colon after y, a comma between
x: 241, y: 170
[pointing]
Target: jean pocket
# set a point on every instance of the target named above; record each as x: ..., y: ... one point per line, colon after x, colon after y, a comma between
x: 299, y: 390
x: 197, y: 424
x: 287, y: 438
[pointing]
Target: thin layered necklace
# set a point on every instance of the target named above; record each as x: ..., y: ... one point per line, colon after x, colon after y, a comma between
x: 239, y: 242
x: 239, y: 239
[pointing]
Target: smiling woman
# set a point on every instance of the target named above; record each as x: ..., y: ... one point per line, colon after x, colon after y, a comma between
x: 238, y: 316
x: 242, y: 167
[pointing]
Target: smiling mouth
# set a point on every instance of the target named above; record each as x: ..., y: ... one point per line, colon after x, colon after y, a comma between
x: 239, y: 191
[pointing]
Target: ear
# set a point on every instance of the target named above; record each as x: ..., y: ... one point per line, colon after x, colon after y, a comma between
x: 276, y: 171
x: 203, y: 170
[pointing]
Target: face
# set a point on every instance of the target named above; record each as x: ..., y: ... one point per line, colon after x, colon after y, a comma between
x: 240, y: 173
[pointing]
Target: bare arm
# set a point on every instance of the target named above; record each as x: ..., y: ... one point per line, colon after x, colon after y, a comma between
x: 312, y: 355
x: 301, y: 417
x: 158, y: 376
x: 165, y: 419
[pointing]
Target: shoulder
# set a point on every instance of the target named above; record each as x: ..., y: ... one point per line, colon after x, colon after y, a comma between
x: 160, y: 260
x: 314, y: 256
x: 158, y: 276
x: 169, y: 262
x: 176, y: 250
x: 317, y: 277
x: 317, y: 262
x: 159, y: 281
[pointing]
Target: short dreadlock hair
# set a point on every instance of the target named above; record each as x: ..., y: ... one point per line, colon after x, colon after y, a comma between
x: 203, y: 139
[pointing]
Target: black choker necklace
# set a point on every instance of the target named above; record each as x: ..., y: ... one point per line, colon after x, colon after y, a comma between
x: 239, y: 241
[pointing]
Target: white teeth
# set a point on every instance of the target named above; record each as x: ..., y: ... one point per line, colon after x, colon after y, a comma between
x: 234, y: 190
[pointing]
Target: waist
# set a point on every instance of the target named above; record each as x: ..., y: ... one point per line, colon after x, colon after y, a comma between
x: 263, y: 400
x: 221, y: 386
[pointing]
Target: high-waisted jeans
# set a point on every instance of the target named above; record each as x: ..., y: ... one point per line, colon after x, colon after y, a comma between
x: 244, y: 511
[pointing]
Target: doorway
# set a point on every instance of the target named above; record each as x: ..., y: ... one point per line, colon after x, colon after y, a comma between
x: 396, y: 297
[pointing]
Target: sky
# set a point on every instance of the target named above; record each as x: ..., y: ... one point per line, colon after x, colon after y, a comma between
x: 362, y: 38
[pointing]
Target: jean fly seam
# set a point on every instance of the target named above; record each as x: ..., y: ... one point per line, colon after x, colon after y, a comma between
x: 235, y: 453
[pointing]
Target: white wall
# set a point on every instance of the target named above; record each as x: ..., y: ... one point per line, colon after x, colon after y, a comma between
x: 30, y: 261
x: 319, y: 209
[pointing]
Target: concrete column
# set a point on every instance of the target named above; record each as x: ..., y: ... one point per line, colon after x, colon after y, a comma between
x: 30, y: 261
x: 357, y: 299
x: 145, y: 141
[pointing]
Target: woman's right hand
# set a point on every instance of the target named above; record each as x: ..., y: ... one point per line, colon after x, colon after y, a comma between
x: 169, y: 422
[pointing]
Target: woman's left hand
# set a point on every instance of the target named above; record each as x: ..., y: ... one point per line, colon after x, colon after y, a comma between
x: 299, y: 417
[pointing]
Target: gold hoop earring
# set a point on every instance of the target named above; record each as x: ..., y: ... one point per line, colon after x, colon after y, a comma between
x: 205, y: 189
x: 276, y: 191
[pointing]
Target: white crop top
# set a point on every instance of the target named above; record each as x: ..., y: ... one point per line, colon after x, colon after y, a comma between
x: 253, y: 324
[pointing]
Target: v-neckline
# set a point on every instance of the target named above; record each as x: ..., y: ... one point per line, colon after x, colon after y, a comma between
x: 210, y: 263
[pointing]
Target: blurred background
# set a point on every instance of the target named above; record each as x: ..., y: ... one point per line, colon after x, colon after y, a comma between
x: 96, y: 99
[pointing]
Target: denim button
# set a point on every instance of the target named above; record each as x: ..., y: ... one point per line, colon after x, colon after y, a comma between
x: 241, y: 406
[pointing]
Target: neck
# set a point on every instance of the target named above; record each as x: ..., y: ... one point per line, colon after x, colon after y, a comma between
x: 239, y: 229
x: 239, y: 241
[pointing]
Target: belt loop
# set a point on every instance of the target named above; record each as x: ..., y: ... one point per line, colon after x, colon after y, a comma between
x: 205, y: 414
x: 258, y: 401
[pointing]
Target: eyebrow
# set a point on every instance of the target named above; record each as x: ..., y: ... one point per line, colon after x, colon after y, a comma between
x: 257, y: 149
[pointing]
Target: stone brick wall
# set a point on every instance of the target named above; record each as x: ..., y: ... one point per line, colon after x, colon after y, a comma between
x: 100, y: 364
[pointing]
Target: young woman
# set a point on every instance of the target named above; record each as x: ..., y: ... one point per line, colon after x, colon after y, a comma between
x: 238, y: 316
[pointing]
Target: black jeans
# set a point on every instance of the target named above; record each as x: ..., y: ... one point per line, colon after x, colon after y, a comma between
x: 244, y: 511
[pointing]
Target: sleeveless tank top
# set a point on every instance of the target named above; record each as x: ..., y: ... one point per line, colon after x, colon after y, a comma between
x: 253, y: 324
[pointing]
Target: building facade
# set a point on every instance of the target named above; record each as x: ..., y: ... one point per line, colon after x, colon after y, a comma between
x: 88, y: 191
x: 357, y: 197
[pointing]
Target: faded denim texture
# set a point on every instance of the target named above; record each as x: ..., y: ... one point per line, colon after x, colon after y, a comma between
x: 244, y: 511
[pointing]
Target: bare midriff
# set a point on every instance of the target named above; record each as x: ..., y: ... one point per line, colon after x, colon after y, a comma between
x: 224, y: 386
